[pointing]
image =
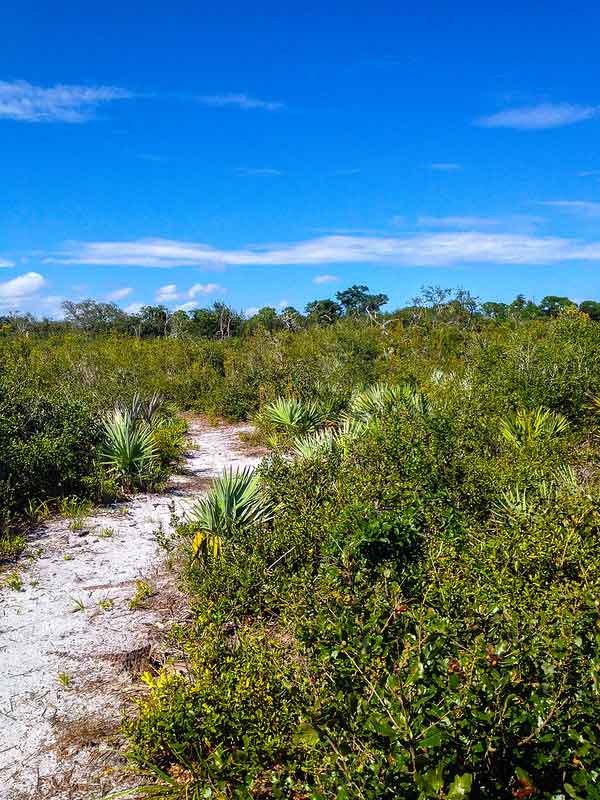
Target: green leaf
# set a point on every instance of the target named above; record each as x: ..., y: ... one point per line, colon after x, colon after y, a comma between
x: 306, y: 735
x: 460, y: 786
x: 431, y: 782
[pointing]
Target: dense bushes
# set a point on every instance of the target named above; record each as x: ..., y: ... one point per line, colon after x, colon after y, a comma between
x: 420, y: 619
x: 47, y: 442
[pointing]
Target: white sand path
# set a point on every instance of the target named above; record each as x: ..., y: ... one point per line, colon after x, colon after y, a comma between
x: 51, y: 735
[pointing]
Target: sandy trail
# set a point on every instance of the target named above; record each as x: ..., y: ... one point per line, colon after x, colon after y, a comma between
x: 73, y: 619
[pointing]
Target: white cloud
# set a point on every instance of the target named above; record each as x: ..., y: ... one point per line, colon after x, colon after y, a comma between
x: 25, y: 102
x: 243, y: 101
x: 457, y: 222
x: 204, y: 288
x: 4, y: 262
x: 21, y: 289
x: 283, y: 303
x: 187, y: 306
x: 540, y: 117
x: 444, y: 166
x: 257, y: 172
x: 586, y: 207
x: 119, y: 294
x: 421, y: 249
x: 167, y: 294
x: 250, y: 312
x: 318, y: 279
x: 133, y: 308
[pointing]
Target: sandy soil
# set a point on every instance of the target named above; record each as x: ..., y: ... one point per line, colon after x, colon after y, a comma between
x: 69, y: 642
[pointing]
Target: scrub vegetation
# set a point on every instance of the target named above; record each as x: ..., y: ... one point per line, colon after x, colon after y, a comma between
x: 402, y: 600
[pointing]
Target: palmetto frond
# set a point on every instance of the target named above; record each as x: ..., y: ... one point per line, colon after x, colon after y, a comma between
x: 379, y: 399
x: 143, y: 409
x: 234, y: 499
x: 315, y: 444
x: 323, y: 442
x: 128, y: 448
x: 290, y: 413
x: 527, y: 427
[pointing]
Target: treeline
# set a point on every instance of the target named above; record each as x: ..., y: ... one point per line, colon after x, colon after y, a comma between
x: 457, y: 306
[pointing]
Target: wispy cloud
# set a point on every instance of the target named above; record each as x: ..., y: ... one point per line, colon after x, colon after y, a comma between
x: 170, y: 293
x: 204, y: 288
x: 119, y: 294
x: 444, y: 166
x: 22, y: 101
x: 4, y: 262
x: 540, y: 117
x: 167, y: 294
x: 589, y: 173
x: 586, y: 207
x: 133, y: 308
x: 257, y: 172
x: 457, y: 222
x: 422, y: 249
x: 243, y: 101
x: 319, y: 279
x: 21, y: 289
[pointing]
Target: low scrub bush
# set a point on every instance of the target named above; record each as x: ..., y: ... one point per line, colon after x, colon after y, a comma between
x: 419, y: 619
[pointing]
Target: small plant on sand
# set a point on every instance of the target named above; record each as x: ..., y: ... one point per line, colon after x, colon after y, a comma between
x: 107, y: 533
x: 106, y: 603
x: 37, y: 511
x: 64, y: 679
x: 74, y: 507
x: 14, y: 581
x: 143, y: 592
x: 11, y: 545
x: 78, y: 605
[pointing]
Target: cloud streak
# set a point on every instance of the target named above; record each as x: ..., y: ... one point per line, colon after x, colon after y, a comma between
x: 242, y: 101
x: 444, y: 166
x: 422, y: 249
x: 120, y: 294
x: 457, y: 222
x: 24, y: 102
x: 539, y: 117
x: 257, y: 172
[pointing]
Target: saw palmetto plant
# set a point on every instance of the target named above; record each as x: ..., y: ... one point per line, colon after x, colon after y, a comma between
x: 235, y: 499
x: 293, y: 415
x: 527, y: 427
x: 128, y: 450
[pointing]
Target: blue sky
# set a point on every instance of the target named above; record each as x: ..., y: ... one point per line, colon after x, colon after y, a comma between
x: 268, y: 155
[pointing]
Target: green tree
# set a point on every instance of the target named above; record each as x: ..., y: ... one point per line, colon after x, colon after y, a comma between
x: 552, y: 305
x: 591, y: 308
x: 495, y: 310
x: 356, y: 301
x: 323, y: 312
x: 266, y: 318
x: 93, y: 317
x: 291, y: 319
x: 154, y: 321
x: 520, y: 308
